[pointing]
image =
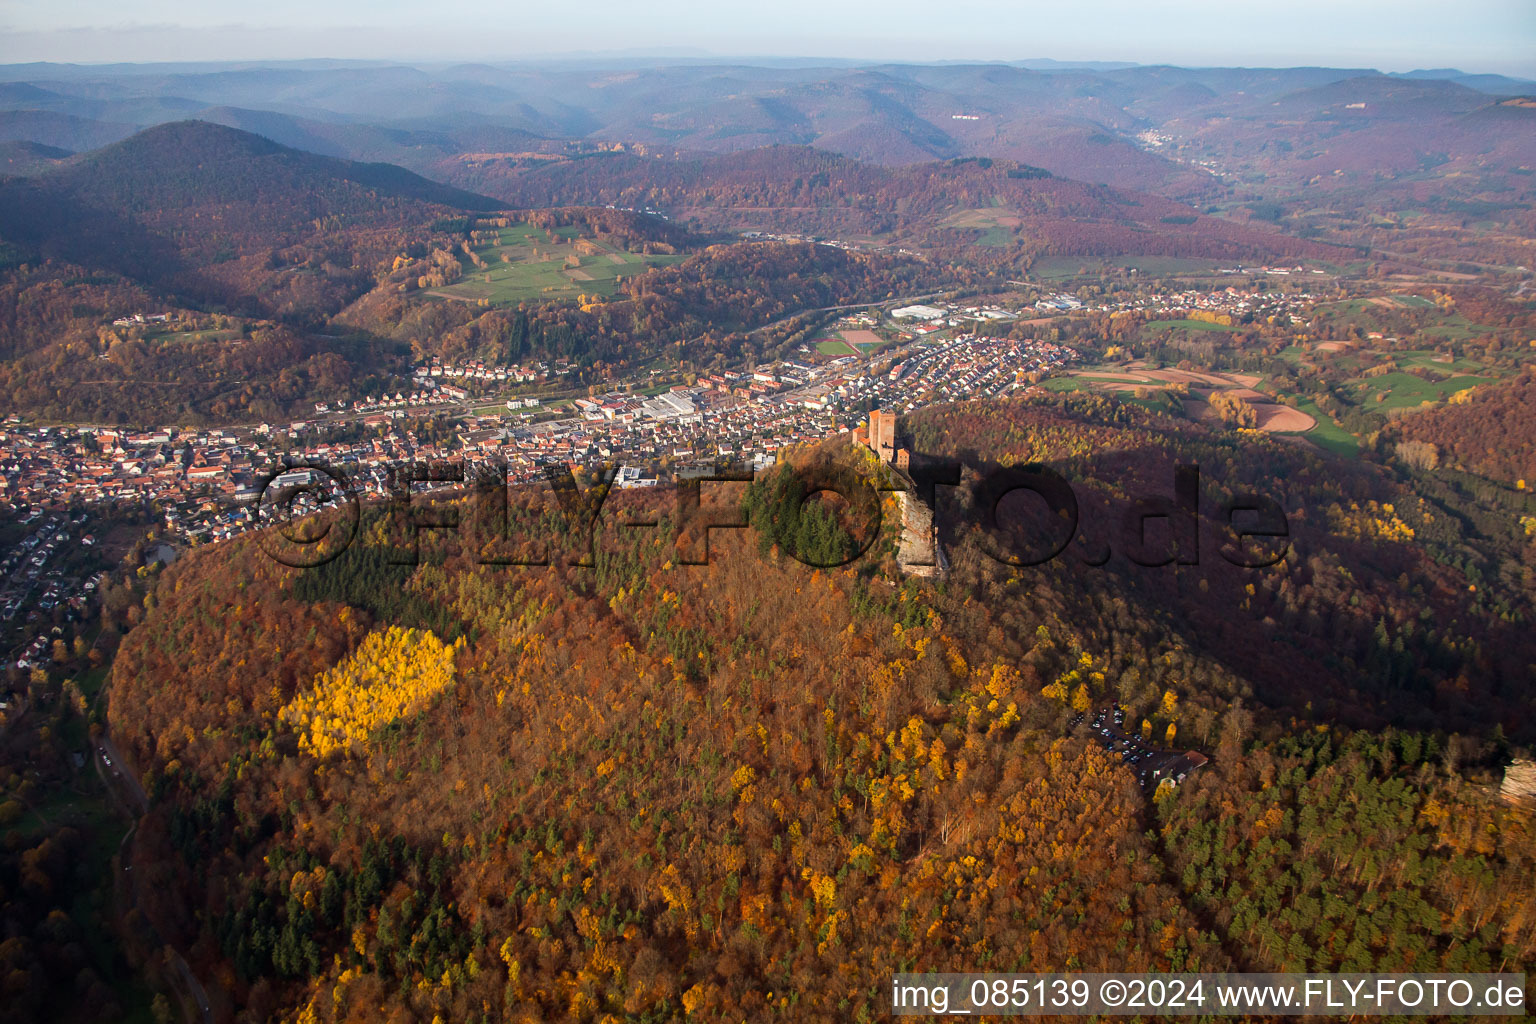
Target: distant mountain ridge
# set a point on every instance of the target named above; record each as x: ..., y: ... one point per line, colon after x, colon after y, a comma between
x: 220, y: 215
x: 1076, y: 120
x: 1020, y: 208
x: 62, y: 131
x: 29, y: 157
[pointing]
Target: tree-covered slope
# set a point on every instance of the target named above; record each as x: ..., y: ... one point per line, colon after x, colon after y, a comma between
x: 752, y: 790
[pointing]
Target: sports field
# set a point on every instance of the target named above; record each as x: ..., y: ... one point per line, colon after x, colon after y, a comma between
x: 849, y: 341
x: 864, y: 341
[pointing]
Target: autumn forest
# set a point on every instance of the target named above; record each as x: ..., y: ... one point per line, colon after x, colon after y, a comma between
x: 676, y: 642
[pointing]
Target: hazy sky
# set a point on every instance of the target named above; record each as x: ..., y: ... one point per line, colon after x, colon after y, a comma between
x: 1393, y: 35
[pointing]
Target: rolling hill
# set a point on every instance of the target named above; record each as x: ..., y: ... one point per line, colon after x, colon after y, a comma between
x: 29, y: 157
x: 68, y: 132
x: 201, y: 219
x: 217, y: 214
x: 1016, y: 207
x: 191, y: 163
x: 648, y: 790
x: 1079, y: 122
x: 1370, y: 130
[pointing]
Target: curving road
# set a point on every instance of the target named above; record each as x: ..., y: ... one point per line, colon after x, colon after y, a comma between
x: 131, y: 799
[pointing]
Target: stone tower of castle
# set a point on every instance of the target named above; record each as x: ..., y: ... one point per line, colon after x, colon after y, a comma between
x: 882, y: 434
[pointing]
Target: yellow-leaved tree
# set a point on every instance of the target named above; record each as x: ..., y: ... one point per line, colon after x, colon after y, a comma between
x: 392, y: 672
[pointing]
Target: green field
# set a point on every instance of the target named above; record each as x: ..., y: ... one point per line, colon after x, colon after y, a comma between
x: 528, y: 263
x: 1454, y: 327
x: 1161, y: 266
x: 1425, y: 358
x: 1060, y: 268
x: 1367, y: 313
x: 839, y: 343
x: 182, y: 336
x: 1188, y: 325
x: 1405, y: 391
x: 1067, y: 384
x: 1328, y: 435
x: 1354, y: 307
x: 1158, y: 403
x: 996, y: 238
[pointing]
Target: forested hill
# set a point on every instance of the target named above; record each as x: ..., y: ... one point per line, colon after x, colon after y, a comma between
x: 198, y: 163
x: 176, y: 205
x: 935, y: 204
x: 750, y: 790
x: 1490, y: 431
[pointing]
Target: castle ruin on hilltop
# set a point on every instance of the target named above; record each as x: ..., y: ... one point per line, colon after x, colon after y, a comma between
x: 920, y: 552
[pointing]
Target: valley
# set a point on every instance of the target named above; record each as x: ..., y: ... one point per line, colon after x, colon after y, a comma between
x: 560, y: 540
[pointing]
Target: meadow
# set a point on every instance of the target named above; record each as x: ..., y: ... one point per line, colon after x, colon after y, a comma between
x: 527, y: 263
x: 1378, y: 313
x: 1428, y: 359
x: 1188, y: 325
x: 1060, y: 268
x: 1327, y: 434
x: 175, y: 337
x: 1405, y: 391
